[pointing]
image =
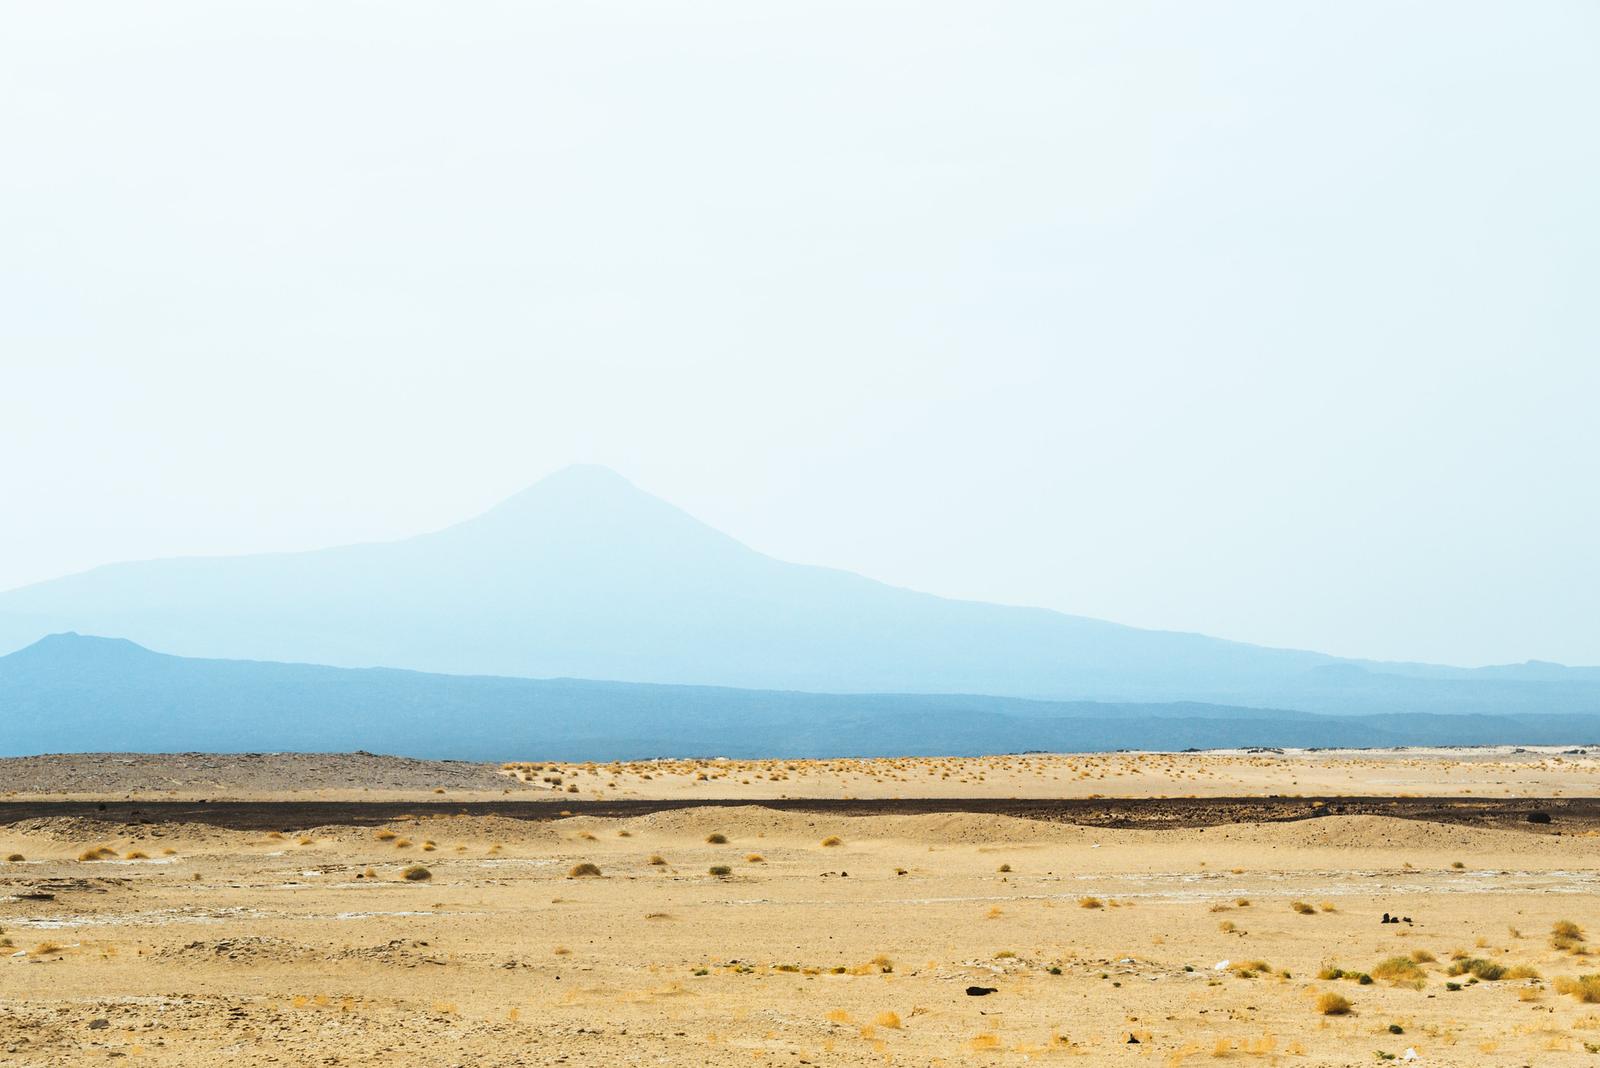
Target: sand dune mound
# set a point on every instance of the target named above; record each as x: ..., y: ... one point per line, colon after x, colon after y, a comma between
x: 966, y: 828
x: 472, y: 830
x: 739, y: 821
x: 1390, y: 832
x: 749, y: 822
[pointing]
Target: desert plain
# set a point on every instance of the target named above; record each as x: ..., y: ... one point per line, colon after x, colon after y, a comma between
x: 1137, y: 909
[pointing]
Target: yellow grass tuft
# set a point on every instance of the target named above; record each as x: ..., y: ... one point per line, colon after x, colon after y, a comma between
x: 1090, y: 903
x: 586, y: 870
x: 1332, y: 1004
x: 832, y: 840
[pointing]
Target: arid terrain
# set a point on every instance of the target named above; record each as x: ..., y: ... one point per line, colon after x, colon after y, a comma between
x: 1114, y: 909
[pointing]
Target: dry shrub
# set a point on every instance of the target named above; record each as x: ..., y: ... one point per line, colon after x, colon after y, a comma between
x: 1090, y: 903
x: 657, y: 859
x: 1586, y: 988
x: 16, y: 858
x: 888, y: 1019
x: 136, y: 854
x: 1260, y: 1047
x: 1478, y: 968
x: 717, y: 838
x: 416, y: 873
x: 1422, y: 956
x: 1567, y: 937
x: 586, y: 870
x: 755, y: 858
x: 832, y: 840
x: 385, y: 835
x: 1304, y: 908
x: 98, y: 853
x: 721, y: 871
x: 1332, y: 1004
x: 1401, y: 971
x: 44, y: 949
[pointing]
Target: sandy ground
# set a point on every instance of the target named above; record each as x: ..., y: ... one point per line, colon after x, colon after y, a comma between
x: 1478, y: 772
x: 197, y: 945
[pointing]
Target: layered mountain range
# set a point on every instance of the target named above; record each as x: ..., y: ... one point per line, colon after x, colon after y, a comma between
x: 585, y: 576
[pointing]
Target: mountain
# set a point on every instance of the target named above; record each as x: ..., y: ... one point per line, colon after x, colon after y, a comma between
x: 69, y: 692
x: 584, y: 575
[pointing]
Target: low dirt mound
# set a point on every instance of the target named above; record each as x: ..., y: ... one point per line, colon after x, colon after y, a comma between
x: 255, y: 951
x: 88, y: 830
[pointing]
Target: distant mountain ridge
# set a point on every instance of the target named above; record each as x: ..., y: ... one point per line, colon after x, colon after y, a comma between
x: 583, y: 575
x: 69, y: 692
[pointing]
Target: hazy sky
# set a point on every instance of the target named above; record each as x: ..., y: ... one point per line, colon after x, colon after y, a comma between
x: 1275, y: 320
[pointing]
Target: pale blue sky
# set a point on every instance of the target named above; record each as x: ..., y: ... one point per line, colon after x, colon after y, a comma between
x: 1273, y: 320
